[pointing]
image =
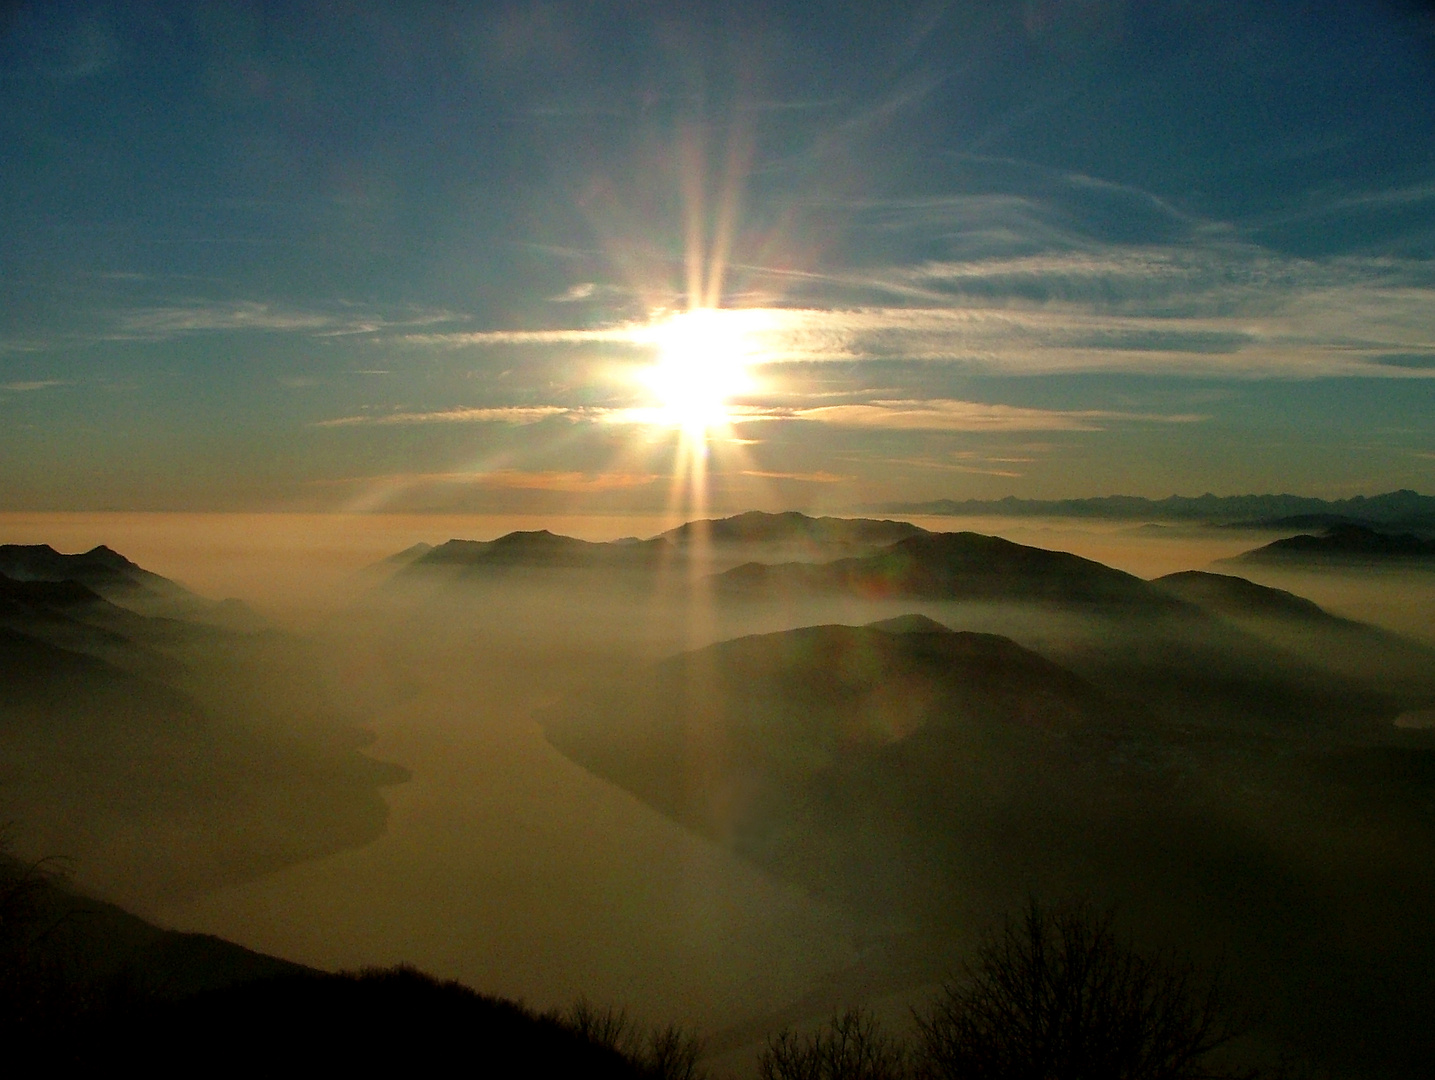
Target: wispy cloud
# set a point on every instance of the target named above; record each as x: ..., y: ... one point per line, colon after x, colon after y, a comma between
x: 625, y: 334
x: 1226, y: 310
x: 972, y: 465
x: 566, y: 481
x: 805, y: 477
x: 939, y: 414
x: 930, y: 414
x: 165, y: 321
x: 34, y: 384
x: 1328, y: 206
x: 584, y: 290
x: 505, y: 414
x: 510, y: 479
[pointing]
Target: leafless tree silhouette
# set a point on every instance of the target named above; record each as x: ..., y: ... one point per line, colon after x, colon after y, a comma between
x: 1057, y: 996
x: 663, y: 1053
x: 851, y: 1047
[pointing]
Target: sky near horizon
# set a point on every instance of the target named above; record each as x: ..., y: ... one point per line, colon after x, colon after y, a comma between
x: 605, y: 257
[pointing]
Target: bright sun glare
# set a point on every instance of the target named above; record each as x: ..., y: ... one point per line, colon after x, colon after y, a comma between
x: 702, y: 364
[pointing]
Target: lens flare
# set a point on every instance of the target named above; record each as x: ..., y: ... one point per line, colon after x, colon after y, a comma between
x: 702, y: 364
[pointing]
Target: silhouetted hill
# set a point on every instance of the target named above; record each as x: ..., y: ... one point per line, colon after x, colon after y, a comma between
x: 1402, y: 506
x: 958, y: 566
x: 788, y: 535
x: 41, y: 676
x: 166, y: 756
x: 1378, y: 657
x: 72, y: 616
x: 63, y: 953
x: 1170, y: 647
x: 115, y: 578
x: 377, y: 573
x: 782, y: 744
x: 1237, y: 596
x: 150, y: 793
x: 756, y: 527
x: 87, y: 985
x: 1136, y: 640
x: 409, y: 554
x: 398, y: 1022
x: 539, y: 549
x: 101, y: 569
x: 1347, y: 543
x: 55, y: 594
x: 910, y: 624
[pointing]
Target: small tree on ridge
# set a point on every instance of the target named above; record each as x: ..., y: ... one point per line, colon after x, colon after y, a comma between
x: 1056, y: 996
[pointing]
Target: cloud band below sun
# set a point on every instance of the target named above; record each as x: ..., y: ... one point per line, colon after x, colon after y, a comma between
x: 510, y: 479
x: 933, y: 414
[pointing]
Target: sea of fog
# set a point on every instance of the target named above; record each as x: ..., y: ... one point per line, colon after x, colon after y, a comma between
x: 506, y: 865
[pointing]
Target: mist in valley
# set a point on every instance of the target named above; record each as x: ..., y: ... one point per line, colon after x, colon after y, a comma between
x: 740, y: 800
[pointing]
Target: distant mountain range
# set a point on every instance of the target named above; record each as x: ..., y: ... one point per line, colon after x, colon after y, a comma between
x: 538, y: 548
x: 1396, y: 509
x: 790, y: 535
x: 1345, y: 544
x: 791, y: 552
x: 791, y: 527
x: 1215, y: 646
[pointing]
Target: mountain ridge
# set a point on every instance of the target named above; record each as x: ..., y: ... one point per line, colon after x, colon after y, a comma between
x: 134, y: 743
x: 1392, y: 507
x: 1344, y: 543
x: 118, y: 579
x: 953, y: 566
x: 542, y: 549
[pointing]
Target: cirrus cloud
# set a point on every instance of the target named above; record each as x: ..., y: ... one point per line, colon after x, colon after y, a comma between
x: 503, y: 414
x: 945, y: 414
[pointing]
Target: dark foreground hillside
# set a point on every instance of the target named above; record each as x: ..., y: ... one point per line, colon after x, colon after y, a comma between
x: 396, y: 1019
x: 85, y: 984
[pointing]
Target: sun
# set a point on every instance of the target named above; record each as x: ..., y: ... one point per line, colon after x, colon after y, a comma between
x: 703, y: 360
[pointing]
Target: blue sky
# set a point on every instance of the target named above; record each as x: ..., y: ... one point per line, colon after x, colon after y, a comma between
x: 409, y: 257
